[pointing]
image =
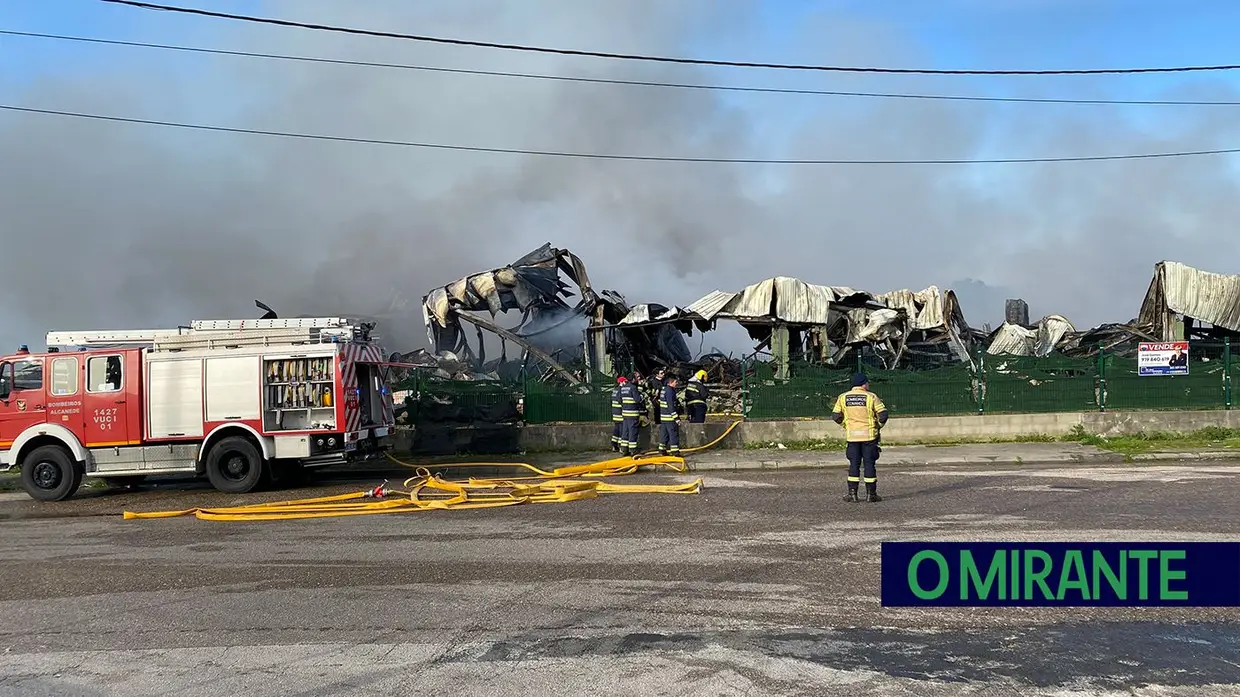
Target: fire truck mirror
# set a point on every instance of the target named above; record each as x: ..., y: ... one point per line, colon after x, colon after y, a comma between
x: 6, y: 380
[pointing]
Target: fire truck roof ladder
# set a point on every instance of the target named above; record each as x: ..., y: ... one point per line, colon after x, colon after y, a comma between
x: 203, y: 334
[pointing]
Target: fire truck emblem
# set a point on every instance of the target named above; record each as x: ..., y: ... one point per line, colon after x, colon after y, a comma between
x: 21, y: 405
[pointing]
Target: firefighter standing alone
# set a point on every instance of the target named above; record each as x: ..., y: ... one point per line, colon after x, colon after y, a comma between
x: 863, y: 415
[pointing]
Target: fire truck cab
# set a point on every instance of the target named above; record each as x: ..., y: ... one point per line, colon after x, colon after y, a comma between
x: 231, y: 400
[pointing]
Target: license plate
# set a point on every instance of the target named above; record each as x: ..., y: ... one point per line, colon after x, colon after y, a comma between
x: 351, y: 445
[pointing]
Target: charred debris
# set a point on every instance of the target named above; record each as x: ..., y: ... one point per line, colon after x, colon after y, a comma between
x: 574, y: 336
x: 1181, y: 304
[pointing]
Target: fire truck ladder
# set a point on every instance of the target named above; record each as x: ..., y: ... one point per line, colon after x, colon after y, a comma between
x: 231, y: 333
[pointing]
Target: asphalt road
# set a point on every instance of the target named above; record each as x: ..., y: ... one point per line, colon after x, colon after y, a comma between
x: 766, y: 583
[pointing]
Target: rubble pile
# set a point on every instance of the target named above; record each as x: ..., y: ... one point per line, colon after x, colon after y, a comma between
x: 569, y: 334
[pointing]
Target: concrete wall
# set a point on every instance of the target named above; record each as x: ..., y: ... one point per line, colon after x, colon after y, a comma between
x: 899, y: 429
x: 1120, y: 423
x: 596, y: 436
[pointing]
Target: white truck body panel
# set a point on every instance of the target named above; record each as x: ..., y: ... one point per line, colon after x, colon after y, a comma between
x: 233, y: 388
x: 174, y: 397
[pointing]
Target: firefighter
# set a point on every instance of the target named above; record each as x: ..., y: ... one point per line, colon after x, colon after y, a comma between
x: 863, y: 415
x: 632, y: 406
x: 654, y: 389
x: 617, y: 414
x: 641, y: 382
x: 669, y: 419
x: 696, y: 393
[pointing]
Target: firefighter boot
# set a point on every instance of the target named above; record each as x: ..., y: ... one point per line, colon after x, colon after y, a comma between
x: 871, y: 492
x: 851, y: 496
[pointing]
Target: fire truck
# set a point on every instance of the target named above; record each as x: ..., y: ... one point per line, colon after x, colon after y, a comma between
x: 233, y: 400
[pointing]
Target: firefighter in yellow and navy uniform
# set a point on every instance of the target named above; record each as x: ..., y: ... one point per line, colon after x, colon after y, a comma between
x: 639, y: 382
x: 632, y: 406
x: 863, y: 415
x: 617, y: 414
x: 696, y: 393
x: 669, y: 419
x: 654, y: 390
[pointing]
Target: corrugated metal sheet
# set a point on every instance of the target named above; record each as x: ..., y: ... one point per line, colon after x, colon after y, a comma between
x: 799, y: 302
x: 753, y: 302
x: 1012, y: 340
x: 1051, y: 330
x: 712, y: 304
x: 925, y: 308
x: 1015, y: 340
x: 1202, y: 295
x: 642, y: 314
x: 794, y: 301
x: 881, y: 325
x: 436, y: 305
x: 483, y: 286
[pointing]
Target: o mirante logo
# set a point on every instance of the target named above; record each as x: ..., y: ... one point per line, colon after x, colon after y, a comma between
x: 1196, y: 574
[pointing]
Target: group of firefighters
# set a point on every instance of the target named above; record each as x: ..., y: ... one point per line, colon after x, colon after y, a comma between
x: 655, y: 400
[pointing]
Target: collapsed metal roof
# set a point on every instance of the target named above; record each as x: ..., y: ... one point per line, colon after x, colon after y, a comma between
x: 1179, y: 289
x: 528, y: 284
x: 1039, y: 340
x: 782, y: 299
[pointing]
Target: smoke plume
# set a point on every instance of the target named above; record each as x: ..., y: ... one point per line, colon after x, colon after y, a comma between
x: 111, y: 225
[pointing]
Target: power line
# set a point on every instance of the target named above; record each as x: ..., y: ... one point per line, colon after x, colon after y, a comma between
x: 658, y: 59
x: 609, y: 81
x: 604, y: 156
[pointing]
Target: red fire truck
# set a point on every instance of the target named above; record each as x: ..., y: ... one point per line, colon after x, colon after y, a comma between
x: 229, y: 399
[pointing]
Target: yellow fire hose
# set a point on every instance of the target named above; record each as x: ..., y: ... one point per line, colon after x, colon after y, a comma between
x: 700, y: 448
x: 425, y: 492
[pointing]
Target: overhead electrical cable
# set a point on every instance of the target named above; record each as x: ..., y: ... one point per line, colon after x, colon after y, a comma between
x: 651, y: 58
x: 612, y: 81
x: 605, y: 156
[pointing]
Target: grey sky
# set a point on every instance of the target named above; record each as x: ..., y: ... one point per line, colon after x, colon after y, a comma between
x: 119, y: 226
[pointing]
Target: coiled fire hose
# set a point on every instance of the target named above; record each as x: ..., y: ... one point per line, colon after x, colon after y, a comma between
x: 425, y: 491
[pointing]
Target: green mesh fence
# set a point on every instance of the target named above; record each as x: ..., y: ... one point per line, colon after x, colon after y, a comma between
x: 1022, y: 384
x: 809, y: 392
x: 934, y: 386
x: 1001, y: 385
x: 1205, y: 386
x: 558, y: 403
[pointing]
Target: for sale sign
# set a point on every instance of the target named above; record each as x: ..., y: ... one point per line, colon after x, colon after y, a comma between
x: 1168, y: 358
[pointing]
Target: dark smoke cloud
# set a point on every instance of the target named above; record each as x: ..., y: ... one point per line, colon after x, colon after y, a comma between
x: 111, y: 225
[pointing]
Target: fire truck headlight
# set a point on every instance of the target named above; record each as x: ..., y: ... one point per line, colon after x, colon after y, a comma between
x: 331, y: 442
x: 320, y: 442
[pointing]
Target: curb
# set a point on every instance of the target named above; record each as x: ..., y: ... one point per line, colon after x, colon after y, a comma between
x: 759, y: 464
x: 945, y: 462
x: 1205, y: 455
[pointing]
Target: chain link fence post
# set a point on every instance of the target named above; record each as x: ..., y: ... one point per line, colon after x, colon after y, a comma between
x: 1102, y: 378
x: 1227, y: 372
x: 980, y: 380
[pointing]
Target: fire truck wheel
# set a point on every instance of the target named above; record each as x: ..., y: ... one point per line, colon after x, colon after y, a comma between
x: 50, y: 474
x: 235, y: 465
